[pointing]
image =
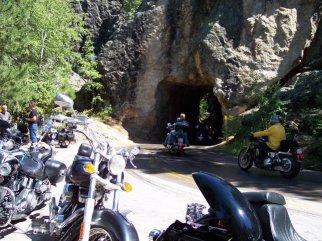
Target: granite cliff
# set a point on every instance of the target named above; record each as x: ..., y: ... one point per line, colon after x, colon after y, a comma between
x: 163, y: 59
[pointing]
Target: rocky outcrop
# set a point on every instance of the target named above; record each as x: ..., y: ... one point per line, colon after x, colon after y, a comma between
x: 166, y: 57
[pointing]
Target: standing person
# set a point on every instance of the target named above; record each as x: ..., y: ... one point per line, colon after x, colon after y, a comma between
x: 32, y: 122
x: 275, y: 134
x: 4, y: 114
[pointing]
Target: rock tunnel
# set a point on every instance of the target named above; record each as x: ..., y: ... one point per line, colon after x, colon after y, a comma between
x: 174, y: 98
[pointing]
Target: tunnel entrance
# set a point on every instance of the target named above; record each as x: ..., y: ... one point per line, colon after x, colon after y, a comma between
x: 175, y: 98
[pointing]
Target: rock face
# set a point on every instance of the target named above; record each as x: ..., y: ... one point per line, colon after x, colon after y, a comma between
x: 164, y: 59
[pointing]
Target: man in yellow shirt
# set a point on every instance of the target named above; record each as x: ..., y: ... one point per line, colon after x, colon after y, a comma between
x: 275, y: 134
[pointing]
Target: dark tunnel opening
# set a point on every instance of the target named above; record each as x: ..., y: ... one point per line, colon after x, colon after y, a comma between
x: 175, y: 98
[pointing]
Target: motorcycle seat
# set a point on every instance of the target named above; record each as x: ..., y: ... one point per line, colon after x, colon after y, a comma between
x: 265, y: 198
x: 276, y: 223
x: 273, y: 216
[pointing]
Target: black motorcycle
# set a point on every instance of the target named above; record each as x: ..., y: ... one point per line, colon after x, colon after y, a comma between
x: 176, y: 144
x: 26, y: 176
x: 59, y: 137
x: 203, y: 134
x: 95, y: 177
x: 232, y: 216
x: 286, y: 159
x: 12, y: 138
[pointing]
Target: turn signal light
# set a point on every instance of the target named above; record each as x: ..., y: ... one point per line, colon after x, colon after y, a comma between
x: 89, y: 168
x: 127, y: 187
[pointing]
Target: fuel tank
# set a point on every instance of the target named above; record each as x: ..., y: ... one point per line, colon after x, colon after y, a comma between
x: 76, y: 174
x: 32, y: 167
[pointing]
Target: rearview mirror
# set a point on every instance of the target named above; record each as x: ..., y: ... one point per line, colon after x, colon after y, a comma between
x: 64, y: 101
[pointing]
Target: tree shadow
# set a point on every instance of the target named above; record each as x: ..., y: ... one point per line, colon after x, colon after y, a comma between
x: 155, y: 159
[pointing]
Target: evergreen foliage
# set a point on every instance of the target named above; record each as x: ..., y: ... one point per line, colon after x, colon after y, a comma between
x: 37, y: 40
x: 131, y: 6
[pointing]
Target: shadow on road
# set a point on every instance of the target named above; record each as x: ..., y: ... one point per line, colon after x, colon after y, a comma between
x: 154, y: 159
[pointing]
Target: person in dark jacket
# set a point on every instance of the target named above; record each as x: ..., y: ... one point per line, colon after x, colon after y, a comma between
x: 182, y: 124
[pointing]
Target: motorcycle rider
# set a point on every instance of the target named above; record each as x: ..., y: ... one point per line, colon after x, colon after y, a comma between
x: 182, y: 124
x: 275, y: 134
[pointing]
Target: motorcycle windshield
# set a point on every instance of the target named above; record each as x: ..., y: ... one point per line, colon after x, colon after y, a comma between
x: 230, y: 206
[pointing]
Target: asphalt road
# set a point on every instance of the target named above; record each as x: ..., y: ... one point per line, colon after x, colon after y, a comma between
x: 155, y: 160
x: 162, y: 185
x: 303, y: 194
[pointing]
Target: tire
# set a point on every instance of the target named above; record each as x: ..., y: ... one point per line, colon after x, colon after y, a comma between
x: 244, y: 159
x: 293, y: 167
x: 97, y: 233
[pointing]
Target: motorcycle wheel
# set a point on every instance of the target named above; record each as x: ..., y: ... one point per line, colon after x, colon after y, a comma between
x: 244, y: 159
x: 293, y: 168
x: 97, y: 233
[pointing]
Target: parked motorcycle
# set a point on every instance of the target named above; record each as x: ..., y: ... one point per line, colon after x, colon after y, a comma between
x: 287, y: 159
x: 203, y: 135
x: 176, y: 144
x: 11, y: 137
x: 232, y: 216
x: 95, y: 177
x: 26, y: 176
x: 59, y: 137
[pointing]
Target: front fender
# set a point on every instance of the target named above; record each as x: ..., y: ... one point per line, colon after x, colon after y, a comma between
x: 123, y: 229
x: 113, y: 220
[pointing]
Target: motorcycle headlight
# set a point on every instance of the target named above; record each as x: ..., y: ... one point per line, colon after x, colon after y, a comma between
x: 5, y: 169
x: 117, y: 164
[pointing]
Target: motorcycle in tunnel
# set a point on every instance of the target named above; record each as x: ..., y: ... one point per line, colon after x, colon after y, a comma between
x: 26, y: 176
x: 232, y: 216
x: 175, y: 139
x: 203, y: 134
x: 88, y: 206
x: 286, y: 159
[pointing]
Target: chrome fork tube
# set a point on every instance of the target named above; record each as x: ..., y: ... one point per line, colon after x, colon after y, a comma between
x: 89, y: 205
x: 116, y: 197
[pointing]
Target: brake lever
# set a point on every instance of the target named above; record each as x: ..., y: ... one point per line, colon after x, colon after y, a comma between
x: 131, y: 161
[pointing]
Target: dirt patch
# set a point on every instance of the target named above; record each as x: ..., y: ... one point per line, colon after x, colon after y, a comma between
x: 113, y: 131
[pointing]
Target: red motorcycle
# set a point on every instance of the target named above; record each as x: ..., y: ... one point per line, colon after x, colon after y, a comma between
x: 287, y: 159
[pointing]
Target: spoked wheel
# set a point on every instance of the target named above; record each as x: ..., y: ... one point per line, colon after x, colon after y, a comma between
x: 291, y: 167
x: 244, y: 159
x: 100, y: 234
x: 97, y: 233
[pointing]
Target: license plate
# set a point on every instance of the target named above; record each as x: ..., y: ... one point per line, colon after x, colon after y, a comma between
x: 299, y: 151
x: 180, y: 140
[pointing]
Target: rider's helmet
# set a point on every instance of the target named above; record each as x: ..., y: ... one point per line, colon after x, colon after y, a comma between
x: 275, y: 119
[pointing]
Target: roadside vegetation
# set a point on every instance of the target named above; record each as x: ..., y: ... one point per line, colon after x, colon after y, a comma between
x: 299, y: 104
x: 39, y: 53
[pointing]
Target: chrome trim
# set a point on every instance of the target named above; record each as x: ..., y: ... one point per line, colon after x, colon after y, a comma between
x: 71, y: 218
x: 13, y: 205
